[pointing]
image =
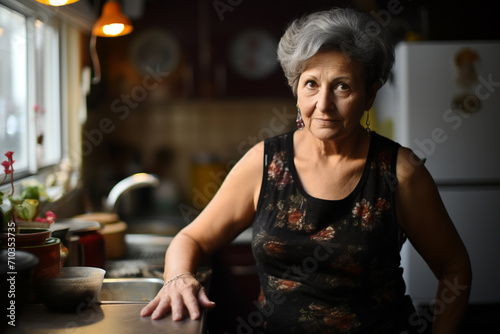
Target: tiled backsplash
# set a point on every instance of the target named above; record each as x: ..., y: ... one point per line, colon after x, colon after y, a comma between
x: 166, y: 139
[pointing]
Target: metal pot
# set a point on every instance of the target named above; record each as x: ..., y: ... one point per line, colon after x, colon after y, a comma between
x: 93, y: 253
x: 113, y: 231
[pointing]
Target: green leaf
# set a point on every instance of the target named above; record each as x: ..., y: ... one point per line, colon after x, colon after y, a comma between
x: 27, y: 209
x: 31, y: 193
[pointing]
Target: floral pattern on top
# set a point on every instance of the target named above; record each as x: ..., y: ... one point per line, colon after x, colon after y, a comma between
x: 335, y: 264
x: 324, y: 319
x: 292, y: 215
x: 370, y: 214
x: 348, y: 265
x: 285, y: 285
x: 271, y: 245
x: 278, y: 173
x: 383, y: 163
x: 326, y: 234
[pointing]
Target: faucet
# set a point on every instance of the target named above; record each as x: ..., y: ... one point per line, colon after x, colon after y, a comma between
x: 132, y: 182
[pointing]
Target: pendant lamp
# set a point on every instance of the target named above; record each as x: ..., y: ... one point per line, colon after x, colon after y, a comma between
x: 57, y: 2
x: 112, y: 22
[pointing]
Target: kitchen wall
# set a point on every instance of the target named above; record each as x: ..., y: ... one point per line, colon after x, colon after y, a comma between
x: 179, y: 138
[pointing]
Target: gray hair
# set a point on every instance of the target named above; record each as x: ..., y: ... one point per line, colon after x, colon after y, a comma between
x: 354, y: 33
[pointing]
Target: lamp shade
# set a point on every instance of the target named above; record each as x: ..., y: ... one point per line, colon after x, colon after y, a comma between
x: 56, y: 2
x: 112, y: 22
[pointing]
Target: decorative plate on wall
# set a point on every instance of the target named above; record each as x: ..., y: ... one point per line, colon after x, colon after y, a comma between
x: 252, y: 54
x: 156, y: 49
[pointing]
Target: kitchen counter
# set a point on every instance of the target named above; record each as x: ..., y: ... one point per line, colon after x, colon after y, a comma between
x: 105, y: 318
x: 121, y: 315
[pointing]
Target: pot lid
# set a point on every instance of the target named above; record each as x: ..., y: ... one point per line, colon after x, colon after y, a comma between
x: 76, y: 225
x: 101, y: 217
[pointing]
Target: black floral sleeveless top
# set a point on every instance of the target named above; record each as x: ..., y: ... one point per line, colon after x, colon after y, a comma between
x: 329, y: 266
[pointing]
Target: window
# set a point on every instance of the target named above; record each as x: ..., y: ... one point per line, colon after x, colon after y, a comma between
x: 30, y: 117
x: 46, y: 108
x: 13, y: 86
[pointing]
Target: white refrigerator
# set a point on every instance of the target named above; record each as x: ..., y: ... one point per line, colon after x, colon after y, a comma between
x: 443, y: 101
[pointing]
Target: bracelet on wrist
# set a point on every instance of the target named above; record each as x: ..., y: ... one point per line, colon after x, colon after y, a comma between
x: 175, y: 278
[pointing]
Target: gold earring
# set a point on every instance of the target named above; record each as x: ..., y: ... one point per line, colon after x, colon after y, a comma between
x: 368, y: 130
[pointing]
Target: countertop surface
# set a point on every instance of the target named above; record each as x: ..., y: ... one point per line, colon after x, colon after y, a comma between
x: 105, y: 318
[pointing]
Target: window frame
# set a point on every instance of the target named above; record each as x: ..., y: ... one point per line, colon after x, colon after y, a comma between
x: 33, y: 12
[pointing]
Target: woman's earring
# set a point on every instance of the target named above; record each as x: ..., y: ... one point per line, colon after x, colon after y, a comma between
x: 368, y: 130
x: 300, y: 121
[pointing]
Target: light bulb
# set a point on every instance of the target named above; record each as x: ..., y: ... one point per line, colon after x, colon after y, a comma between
x: 113, y: 29
x: 57, y: 2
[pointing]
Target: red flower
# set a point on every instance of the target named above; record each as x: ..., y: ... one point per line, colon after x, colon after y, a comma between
x: 361, y: 209
x: 287, y: 285
x: 294, y: 216
x: 370, y: 215
x: 275, y: 168
x: 277, y: 172
x: 325, y: 234
x: 50, y: 215
x: 382, y: 204
x: 9, y: 155
x: 285, y: 179
x: 9, y: 169
x: 6, y: 166
x: 273, y: 248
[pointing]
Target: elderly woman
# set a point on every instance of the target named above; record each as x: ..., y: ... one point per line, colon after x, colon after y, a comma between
x: 330, y: 204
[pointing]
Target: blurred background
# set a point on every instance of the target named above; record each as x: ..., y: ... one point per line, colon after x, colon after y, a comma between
x: 224, y: 90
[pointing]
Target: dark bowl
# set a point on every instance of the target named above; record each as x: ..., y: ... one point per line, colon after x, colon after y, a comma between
x: 73, y: 290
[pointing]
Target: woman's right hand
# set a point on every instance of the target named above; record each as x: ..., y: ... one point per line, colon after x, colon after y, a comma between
x: 184, y: 292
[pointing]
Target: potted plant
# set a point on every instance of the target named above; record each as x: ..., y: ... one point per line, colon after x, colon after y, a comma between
x: 23, y: 208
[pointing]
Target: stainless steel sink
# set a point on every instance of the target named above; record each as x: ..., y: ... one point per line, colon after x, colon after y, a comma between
x: 129, y: 290
x: 145, y: 257
x: 139, y: 290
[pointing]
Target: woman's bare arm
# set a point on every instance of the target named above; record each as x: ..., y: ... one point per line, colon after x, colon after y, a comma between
x: 424, y: 219
x: 230, y: 212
